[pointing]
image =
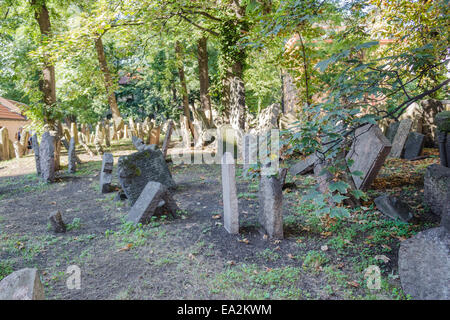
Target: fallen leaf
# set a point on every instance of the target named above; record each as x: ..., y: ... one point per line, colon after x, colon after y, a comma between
x: 324, y: 248
x: 126, y: 248
x: 245, y: 240
x: 277, y: 248
x: 265, y: 237
x: 385, y: 246
x: 231, y: 263
x: 268, y: 269
x: 277, y: 241
x: 217, y: 216
x: 353, y: 283
x: 290, y: 256
x: 191, y: 256
x: 383, y: 258
x: 299, y: 241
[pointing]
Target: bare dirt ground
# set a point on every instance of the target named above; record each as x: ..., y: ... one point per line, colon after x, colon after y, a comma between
x: 192, y: 256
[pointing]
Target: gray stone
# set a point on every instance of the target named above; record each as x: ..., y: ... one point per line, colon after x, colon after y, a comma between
x: 137, y: 169
x: 282, y: 175
x: 138, y: 143
x: 155, y: 196
x: 400, y: 138
x: 167, y: 136
x: 271, y: 206
x: 414, y: 145
x: 393, y: 208
x: 424, y: 264
x: 72, y: 157
x: 392, y: 131
x: 445, y: 220
x: 230, y: 201
x: 106, y: 173
x: 304, y: 166
x: 57, y: 222
x: 249, y: 152
x: 23, y: 284
x: 368, y: 152
x: 120, y: 196
x: 35, y: 146
x: 47, y: 157
x: 436, y: 191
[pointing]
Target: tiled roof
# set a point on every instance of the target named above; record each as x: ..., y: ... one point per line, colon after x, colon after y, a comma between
x: 10, y: 110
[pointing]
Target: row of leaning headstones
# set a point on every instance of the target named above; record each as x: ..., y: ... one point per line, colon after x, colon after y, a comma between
x: 424, y: 259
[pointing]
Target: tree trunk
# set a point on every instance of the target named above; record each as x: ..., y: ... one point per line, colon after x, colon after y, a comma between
x: 205, y: 99
x: 179, y: 54
x: 109, y: 86
x: 237, y: 97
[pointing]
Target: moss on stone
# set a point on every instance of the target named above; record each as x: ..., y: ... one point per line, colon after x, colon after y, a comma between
x: 442, y: 121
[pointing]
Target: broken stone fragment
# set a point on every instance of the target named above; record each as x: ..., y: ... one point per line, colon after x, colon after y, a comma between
x: 57, y: 222
x: 23, y: 284
x: 393, y: 208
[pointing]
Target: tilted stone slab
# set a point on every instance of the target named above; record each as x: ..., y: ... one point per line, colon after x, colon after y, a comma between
x: 436, y: 191
x: 23, y: 284
x: 424, y: 264
x: 106, y: 173
x: 368, y: 152
x: 137, y: 169
x: 154, y: 197
x: 47, y: 157
x: 393, y: 208
x: 304, y: 166
x: 391, y: 131
x: 230, y: 201
x: 400, y: 138
x: 271, y: 206
x: 413, y: 145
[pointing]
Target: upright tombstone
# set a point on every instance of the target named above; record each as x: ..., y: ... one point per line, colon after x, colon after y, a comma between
x: 414, y: 145
x: 166, y: 142
x: 106, y: 173
x: 391, y: 131
x: 72, y: 157
x: 442, y: 121
x: 137, y: 169
x: 271, y: 206
x: 368, y: 153
x: 98, y: 139
x: 436, y: 190
x: 47, y: 157
x: 249, y: 152
x: 4, y: 144
x: 35, y: 146
x: 230, y: 201
x: 23, y: 284
x: 401, y: 135
x: 153, y: 197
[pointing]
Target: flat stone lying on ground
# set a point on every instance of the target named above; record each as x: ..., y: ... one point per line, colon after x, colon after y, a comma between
x: 47, y: 157
x: 72, y: 156
x: 155, y: 196
x: 368, y: 153
x: 393, y: 208
x: 413, y: 145
x: 230, y: 201
x: 401, y: 135
x: 424, y: 264
x: 106, y: 173
x: 137, y: 169
x: 57, y: 222
x: 271, y: 206
x: 436, y: 191
x: 23, y: 284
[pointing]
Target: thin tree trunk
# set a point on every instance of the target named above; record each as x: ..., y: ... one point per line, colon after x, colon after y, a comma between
x: 109, y: 86
x: 184, y: 93
x: 205, y: 99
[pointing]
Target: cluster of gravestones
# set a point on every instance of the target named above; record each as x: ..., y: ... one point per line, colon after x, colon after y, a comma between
x: 145, y: 180
x: 10, y: 149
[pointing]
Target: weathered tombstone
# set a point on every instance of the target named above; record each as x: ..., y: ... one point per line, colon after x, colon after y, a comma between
x: 138, y: 143
x: 393, y: 208
x: 392, y: 131
x: 442, y: 121
x: 250, y: 152
x: 401, y: 135
x: 424, y: 264
x: 271, y: 206
x: 368, y: 152
x: 230, y: 201
x: 184, y: 131
x: 107, y: 134
x: 4, y: 144
x: 84, y: 144
x: 166, y: 142
x: 17, y: 149
x: 268, y: 118
x: 436, y: 191
x: 106, y: 173
x: 47, y: 157
x: 154, y: 135
x: 125, y: 131
x: 57, y: 222
x: 153, y: 197
x: 72, y: 157
x: 137, y: 169
x: 98, y: 138
x: 23, y: 284
x: 35, y: 146
x: 304, y: 166
x: 414, y: 145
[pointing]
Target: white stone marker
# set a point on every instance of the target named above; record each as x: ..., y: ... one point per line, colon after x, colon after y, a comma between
x: 230, y: 201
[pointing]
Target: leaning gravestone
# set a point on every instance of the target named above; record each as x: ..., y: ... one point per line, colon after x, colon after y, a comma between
x: 72, y: 157
x: 368, y: 152
x: 436, y: 191
x: 271, y: 206
x: 414, y: 145
x: 137, y: 169
x: 154, y: 196
x: 167, y: 136
x: 230, y: 202
x: 424, y: 264
x: 401, y: 135
x: 106, y: 173
x: 393, y: 208
x: 23, y: 284
x: 35, y: 146
x: 304, y: 166
x: 47, y: 157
